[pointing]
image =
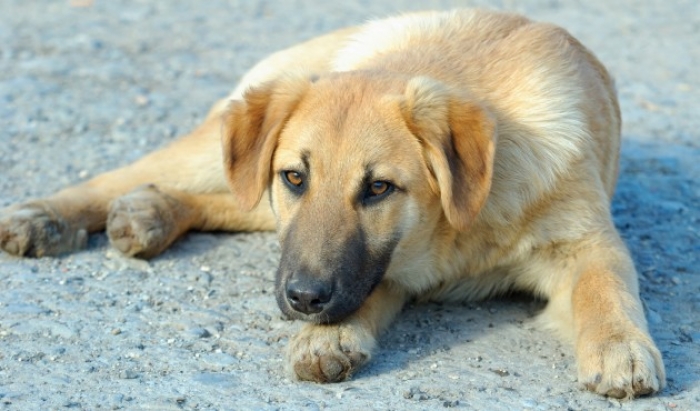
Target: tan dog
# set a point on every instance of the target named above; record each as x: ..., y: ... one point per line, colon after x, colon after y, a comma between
x: 436, y: 156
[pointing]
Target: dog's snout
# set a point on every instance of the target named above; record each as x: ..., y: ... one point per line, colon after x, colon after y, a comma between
x: 308, y: 296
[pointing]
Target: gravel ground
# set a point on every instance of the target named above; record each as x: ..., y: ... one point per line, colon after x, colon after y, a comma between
x: 84, y: 89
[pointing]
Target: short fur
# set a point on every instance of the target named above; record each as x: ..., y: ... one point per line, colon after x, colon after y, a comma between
x: 434, y: 156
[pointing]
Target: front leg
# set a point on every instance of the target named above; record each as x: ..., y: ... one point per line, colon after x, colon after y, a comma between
x: 616, y: 356
x: 333, y: 352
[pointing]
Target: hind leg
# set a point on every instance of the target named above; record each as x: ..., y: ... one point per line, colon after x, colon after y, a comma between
x: 192, y: 164
x: 61, y: 222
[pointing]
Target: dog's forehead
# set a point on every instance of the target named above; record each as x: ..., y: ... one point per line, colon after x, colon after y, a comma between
x: 346, y: 127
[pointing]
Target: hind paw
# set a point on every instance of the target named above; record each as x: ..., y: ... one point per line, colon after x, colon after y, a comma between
x: 145, y: 222
x: 35, y: 230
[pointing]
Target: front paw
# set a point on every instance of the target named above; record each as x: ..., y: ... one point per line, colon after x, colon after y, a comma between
x: 329, y: 353
x: 624, y: 365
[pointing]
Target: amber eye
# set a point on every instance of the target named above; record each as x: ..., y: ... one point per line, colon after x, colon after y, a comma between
x: 378, y: 188
x: 294, y: 178
x: 376, y: 191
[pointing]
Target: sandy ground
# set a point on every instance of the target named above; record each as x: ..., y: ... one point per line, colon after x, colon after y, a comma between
x: 84, y: 89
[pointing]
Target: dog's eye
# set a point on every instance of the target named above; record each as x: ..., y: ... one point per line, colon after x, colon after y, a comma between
x: 376, y: 190
x: 294, y: 180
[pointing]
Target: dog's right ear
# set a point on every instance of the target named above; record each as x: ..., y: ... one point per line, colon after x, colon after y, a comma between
x: 251, y: 128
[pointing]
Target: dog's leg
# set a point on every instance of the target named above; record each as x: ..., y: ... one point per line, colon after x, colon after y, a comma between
x: 144, y: 222
x: 616, y: 355
x: 333, y: 352
x: 60, y: 223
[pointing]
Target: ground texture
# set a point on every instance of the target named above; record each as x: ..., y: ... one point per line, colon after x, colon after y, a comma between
x: 84, y: 89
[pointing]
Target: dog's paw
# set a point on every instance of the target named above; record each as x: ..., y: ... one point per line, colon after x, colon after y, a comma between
x: 35, y: 229
x: 144, y: 222
x: 623, y: 366
x: 329, y: 353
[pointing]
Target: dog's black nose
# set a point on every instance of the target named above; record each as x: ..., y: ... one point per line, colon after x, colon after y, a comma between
x: 308, y: 296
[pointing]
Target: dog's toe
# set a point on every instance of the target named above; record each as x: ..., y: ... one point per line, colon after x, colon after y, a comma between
x: 623, y: 368
x: 143, y: 223
x: 34, y: 230
x: 329, y: 353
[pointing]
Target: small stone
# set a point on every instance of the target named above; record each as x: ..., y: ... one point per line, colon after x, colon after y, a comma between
x: 116, y: 331
x: 141, y: 100
x: 408, y: 375
x: 128, y: 375
x: 200, y: 332
x: 500, y: 372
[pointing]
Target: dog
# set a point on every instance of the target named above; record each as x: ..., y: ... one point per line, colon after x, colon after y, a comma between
x: 436, y: 156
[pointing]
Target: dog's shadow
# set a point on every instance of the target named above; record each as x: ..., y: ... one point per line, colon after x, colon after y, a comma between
x: 427, y: 334
x: 656, y: 209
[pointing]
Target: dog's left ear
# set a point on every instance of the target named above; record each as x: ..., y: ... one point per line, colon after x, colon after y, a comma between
x: 459, y: 140
x: 250, y: 131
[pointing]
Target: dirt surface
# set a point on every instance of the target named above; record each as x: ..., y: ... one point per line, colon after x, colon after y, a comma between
x: 84, y: 89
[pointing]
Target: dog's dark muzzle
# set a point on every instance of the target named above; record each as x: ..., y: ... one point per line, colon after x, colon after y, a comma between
x: 347, y: 274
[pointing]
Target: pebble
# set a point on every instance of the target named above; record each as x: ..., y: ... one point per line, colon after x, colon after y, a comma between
x: 200, y: 332
x: 500, y: 372
x: 128, y: 374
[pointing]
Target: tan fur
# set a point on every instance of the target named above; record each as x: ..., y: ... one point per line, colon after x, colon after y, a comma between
x: 500, y: 135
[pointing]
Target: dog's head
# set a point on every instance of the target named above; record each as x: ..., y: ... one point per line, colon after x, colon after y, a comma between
x: 360, y: 168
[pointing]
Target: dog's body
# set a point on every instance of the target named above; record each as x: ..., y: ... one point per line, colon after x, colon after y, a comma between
x: 437, y: 156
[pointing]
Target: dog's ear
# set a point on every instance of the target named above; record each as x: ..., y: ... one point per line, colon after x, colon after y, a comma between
x: 251, y: 128
x: 458, y: 138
